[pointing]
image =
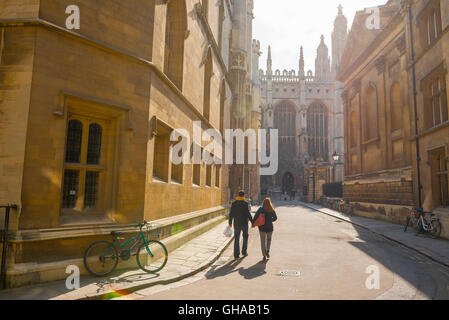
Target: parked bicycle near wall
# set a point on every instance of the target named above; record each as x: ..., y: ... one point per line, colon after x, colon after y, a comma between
x: 101, y: 258
x: 423, y: 222
x: 347, y: 207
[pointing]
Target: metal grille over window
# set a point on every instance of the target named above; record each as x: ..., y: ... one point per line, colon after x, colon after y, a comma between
x: 70, y: 189
x: 94, y: 144
x: 91, y: 189
x: 74, y: 137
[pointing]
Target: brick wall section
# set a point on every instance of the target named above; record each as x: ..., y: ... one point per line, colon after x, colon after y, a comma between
x: 394, y: 193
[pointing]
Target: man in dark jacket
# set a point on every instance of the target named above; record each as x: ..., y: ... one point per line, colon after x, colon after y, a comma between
x: 241, y: 216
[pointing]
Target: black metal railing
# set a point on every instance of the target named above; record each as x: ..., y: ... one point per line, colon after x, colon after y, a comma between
x: 5, y: 243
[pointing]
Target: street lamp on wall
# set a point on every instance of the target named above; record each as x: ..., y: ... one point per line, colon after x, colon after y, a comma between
x: 336, y: 156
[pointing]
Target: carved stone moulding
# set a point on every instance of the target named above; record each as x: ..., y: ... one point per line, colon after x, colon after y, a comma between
x: 381, y: 64
x: 357, y: 85
x: 238, y: 60
x: 401, y: 45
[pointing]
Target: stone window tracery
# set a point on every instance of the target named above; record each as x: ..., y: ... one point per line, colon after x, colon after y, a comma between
x: 317, y: 131
x: 285, y: 122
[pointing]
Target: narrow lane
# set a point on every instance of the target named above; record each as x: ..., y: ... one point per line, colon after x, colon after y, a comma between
x: 332, y: 257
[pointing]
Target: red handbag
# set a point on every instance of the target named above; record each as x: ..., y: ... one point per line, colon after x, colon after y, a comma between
x: 260, y: 221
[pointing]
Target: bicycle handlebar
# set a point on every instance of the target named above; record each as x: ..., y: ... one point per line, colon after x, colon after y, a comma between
x: 141, y: 225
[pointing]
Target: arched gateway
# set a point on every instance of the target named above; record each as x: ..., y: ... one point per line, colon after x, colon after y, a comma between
x: 288, y: 183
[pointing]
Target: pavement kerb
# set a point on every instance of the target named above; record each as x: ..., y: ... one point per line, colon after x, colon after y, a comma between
x: 211, y: 260
x: 427, y: 255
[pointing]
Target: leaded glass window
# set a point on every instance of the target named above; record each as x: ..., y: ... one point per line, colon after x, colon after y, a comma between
x: 94, y: 144
x: 70, y: 189
x: 83, y: 167
x: 91, y: 189
x: 73, y: 144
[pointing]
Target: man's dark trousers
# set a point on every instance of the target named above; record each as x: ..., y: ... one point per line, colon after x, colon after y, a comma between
x: 237, y: 231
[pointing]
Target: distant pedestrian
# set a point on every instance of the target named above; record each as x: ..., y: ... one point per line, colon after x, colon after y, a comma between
x: 266, y: 230
x: 240, y: 215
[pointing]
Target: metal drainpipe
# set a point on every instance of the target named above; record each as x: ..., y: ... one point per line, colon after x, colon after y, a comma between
x: 418, y: 157
x: 5, y: 242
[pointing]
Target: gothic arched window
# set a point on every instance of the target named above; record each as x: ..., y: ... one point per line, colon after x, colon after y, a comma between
x: 208, y: 70
x: 353, y: 130
x: 205, y: 4
x: 371, y: 114
x: 221, y: 18
x: 285, y: 122
x: 317, y: 131
x: 396, y: 107
x: 175, y: 34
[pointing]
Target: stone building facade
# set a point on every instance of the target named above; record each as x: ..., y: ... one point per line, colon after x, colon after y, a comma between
x: 307, y: 110
x: 380, y: 68
x: 86, y: 115
x: 245, y: 114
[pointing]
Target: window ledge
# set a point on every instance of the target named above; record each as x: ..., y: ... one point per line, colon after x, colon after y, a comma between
x: 431, y: 130
x: 158, y: 180
x: 74, y: 220
x: 370, y: 141
x: 443, y: 211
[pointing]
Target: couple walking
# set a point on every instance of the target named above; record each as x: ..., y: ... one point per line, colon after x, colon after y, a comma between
x: 240, y: 215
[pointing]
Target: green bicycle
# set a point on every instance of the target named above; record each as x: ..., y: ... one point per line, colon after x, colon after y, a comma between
x: 101, y: 258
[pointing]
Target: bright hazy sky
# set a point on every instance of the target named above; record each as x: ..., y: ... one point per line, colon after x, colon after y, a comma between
x: 288, y: 24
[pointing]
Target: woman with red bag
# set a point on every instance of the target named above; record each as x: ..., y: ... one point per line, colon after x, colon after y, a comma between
x: 264, y: 219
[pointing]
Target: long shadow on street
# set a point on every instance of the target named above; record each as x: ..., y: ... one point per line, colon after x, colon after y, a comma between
x: 252, y: 272
x: 428, y: 277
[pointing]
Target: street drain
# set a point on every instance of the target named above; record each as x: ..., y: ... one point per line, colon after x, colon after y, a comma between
x: 289, y: 273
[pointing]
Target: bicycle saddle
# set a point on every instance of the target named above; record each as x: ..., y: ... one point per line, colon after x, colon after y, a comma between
x: 116, y: 233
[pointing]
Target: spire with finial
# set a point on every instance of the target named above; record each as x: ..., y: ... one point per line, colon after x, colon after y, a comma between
x: 301, y: 63
x: 322, y: 62
x: 269, y: 62
x: 339, y: 36
x: 340, y: 21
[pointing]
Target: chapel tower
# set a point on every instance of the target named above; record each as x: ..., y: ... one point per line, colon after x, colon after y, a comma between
x: 322, y: 62
x: 339, y: 36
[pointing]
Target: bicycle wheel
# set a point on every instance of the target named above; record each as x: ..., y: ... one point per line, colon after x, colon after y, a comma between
x: 154, y: 259
x: 407, y: 223
x: 101, y: 258
x: 435, y: 232
x: 418, y: 227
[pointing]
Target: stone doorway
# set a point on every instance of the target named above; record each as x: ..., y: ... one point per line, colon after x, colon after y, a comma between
x: 288, y: 183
